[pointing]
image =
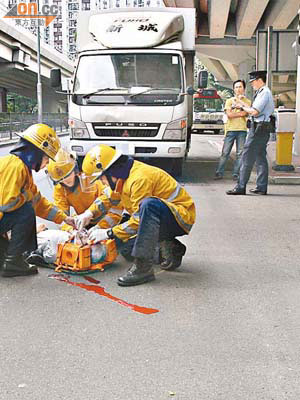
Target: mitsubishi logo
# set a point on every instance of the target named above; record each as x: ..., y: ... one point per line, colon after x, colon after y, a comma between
x: 125, y: 134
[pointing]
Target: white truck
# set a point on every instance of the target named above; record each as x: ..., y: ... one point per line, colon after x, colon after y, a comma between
x: 132, y: 84
x: 208, y: 112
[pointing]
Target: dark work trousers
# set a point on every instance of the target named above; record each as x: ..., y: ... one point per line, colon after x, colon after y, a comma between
x: 157, y: 223
x: 255, y: 150
x: 22, y: 224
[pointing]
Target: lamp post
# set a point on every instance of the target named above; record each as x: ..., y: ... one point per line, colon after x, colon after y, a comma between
x: 39, y: 83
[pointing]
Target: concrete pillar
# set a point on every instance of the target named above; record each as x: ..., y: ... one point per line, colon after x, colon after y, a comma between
x: 296, y: 149
x: 3, y: 99
x: 243, y: 69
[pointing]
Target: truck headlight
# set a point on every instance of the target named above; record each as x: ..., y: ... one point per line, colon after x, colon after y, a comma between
x: 175, y: 130
x: 78, y: 129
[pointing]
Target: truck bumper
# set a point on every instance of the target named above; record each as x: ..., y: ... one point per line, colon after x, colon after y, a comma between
x: 207, y: 126
x: 140, y: 149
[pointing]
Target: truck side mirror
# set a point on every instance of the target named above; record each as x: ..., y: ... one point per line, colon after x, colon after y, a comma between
x: 55, y: 78
x: 190, y: 91
x: 202, y: 79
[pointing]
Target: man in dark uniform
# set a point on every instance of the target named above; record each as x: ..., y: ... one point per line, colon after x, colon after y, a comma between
x: 255, y: 149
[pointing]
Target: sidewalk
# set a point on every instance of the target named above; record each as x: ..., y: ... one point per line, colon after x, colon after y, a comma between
x: 282, y: 178
x: 275, y: 177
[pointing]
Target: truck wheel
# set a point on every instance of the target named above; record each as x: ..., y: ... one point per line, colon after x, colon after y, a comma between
x: 177, y: 167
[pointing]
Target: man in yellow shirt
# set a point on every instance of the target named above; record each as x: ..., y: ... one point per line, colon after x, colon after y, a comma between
x: 235, y: 130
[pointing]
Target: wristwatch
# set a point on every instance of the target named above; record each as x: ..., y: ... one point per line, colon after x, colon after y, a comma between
x: 110, y: 234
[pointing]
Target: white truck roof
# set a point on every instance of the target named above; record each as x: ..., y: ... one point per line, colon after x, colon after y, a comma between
x: 136, y: 28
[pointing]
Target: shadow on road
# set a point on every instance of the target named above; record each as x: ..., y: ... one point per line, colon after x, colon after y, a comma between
x: 202, y: 170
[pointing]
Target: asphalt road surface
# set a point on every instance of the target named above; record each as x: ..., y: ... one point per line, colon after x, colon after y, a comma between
x: 227, y: 326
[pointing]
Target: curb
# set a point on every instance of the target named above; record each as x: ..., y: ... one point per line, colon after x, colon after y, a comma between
x: 273, y: 179
x: 284, y: 180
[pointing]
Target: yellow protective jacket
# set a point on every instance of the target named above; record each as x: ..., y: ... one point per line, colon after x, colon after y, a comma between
x: 17, y: 188
x: 81, y: 201
x: 147, y: 181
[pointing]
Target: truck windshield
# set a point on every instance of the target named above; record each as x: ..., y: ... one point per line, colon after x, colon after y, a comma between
x: 208, y: 105
x: 112, y: 77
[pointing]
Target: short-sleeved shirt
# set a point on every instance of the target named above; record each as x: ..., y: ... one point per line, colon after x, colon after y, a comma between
x: 263, y: 102
x: 236, y: 124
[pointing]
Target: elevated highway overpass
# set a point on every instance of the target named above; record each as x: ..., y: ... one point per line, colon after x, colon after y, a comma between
x: 226, y: 37
x: 19, y: 68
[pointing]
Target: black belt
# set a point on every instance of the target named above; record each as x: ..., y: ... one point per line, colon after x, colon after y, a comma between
x: 255, y: 123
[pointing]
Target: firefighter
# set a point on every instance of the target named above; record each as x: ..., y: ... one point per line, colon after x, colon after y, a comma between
x: 70, y: 190
x: 20, y: 200
x: 160, y: 210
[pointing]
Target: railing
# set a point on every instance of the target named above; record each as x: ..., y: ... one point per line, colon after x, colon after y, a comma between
x: 10, y: 123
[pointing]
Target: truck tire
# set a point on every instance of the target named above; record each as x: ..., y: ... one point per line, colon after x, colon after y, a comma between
x: 177, y: 167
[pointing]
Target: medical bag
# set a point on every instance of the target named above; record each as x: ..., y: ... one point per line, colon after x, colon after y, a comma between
x: 80, y: 258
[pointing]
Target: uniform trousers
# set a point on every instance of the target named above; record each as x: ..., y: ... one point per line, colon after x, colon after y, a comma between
x: 22, y: 224
x: 157, y: 223
x: 255, y: 150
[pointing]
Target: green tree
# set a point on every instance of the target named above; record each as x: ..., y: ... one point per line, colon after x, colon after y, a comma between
x: 17, y: 103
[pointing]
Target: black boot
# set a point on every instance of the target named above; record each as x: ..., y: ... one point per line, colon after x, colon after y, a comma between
x: 36, y: 259
x: 172, y: 252
x: 3, y: 248
x: 140, y: 272
x: 17, y: 266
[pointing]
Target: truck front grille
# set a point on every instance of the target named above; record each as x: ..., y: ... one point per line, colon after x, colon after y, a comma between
x: 133, y: 130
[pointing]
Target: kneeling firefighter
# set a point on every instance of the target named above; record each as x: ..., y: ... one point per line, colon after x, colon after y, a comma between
x: 160, y: 210
x: 70, y: 191
x: 20, y: 200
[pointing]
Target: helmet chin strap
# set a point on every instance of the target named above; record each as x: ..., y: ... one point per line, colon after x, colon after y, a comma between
x: 74, y: 187
x: 37, y: 166
x: 110, y: 181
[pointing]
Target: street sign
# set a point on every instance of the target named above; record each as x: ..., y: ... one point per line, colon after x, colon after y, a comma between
x: 283, y: 53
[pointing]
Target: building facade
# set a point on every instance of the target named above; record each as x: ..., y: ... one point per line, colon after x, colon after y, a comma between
x: 61, y: 33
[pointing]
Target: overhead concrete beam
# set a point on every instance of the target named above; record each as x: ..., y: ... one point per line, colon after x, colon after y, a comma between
x: 281, y: 14
x: 233, y: 54
x: 214, y: 66
x: 185, y: 3
x: 248, y: 15
x: 292, y: 95
x: 288, y: 103
x: 231, y: 69
x: 170, y: 3
x: 218, y: 11
x: 283, y: 78
x: 283, y: 87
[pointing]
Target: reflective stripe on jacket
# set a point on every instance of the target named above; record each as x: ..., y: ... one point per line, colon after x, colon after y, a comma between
x: 146, y: 181
x: 17, y: 188
x: 81, y: 201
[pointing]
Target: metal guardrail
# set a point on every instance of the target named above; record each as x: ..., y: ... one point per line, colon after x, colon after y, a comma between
x: 10, y: 123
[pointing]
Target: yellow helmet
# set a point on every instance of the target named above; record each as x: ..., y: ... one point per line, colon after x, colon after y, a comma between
x: 62, y: 166
x: 99, y: 159
x: 43, y: 137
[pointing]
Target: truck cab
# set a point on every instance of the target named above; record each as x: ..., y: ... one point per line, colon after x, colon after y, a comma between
x: 129, y: 88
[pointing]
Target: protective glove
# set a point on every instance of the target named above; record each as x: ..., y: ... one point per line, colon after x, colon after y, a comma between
x: 70, y: 221
x: 83, y: 219
x: 96, y: 234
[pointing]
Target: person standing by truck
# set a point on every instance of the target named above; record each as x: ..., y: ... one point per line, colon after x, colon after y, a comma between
x: 255, y: 150
x: 160, y: 210
x: 235, y: 130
